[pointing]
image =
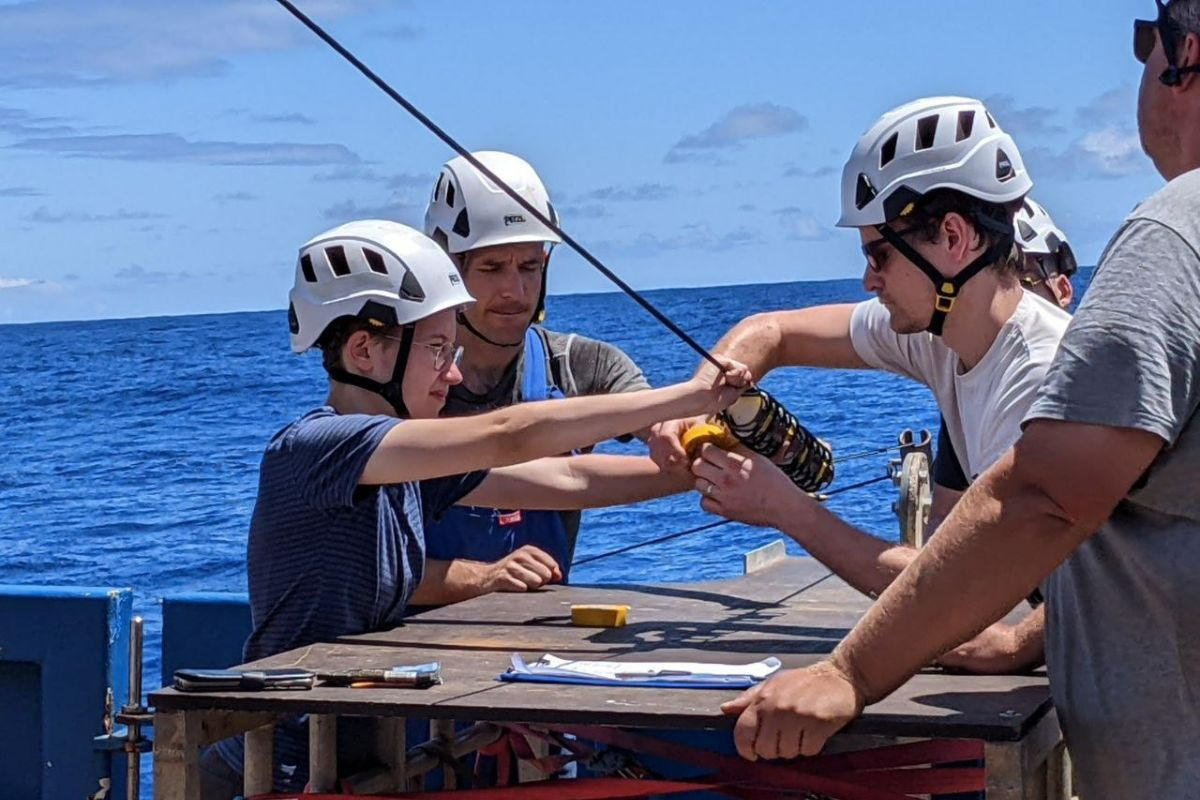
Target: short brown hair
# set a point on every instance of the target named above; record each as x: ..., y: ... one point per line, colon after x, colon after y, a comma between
x: 990, y: 220
x: 335, y: 336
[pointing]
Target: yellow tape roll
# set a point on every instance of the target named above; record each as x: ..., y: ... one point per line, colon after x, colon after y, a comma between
x: 707, y: 433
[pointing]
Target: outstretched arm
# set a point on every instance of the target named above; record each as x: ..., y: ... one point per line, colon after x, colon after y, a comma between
x: 431, y: 448
x: 807, y: 337
x: 1018, y: 522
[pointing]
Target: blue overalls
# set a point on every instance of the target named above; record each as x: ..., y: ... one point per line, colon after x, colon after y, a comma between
x: 490, y: 534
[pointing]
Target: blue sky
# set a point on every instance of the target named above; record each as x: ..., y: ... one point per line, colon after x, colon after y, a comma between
x: 169, y: 156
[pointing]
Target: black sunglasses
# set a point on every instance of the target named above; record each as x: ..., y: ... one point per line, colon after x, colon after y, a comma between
x: 1166, y: 30
x: 872, y: 250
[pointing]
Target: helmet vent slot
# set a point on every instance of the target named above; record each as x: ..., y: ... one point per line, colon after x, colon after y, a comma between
x: 307, y: 268
x: 437, y: 187
x: 888, y: 152
x: 375, y: 261
x: 966, y: 122
x: 462, y: 225
x: 337, y: 261
x: 926, y: 131
x: 864, y: 193
x: 450, y: 193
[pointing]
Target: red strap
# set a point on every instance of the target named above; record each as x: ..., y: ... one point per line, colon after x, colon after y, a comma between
x: 579, y: 789
x: 911, y: 754
x: 734, y: 769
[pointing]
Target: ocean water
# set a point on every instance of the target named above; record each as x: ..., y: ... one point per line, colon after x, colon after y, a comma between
x: 131, y: 447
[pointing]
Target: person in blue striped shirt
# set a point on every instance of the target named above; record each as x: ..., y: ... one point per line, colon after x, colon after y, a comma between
x: 337, y: 537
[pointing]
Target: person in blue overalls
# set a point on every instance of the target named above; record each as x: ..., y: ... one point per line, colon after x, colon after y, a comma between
x: 502, y: 253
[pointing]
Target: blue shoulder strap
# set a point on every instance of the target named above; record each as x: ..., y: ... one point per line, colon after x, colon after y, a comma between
x: 534, y: 383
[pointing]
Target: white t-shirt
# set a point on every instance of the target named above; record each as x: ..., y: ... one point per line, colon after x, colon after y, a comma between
x: 985, y: 406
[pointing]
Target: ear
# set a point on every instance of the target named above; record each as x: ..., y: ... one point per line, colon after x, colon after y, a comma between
x: 1189, y: 56
x: 1063, y: 289
x: 356, y: 352
x: 958, y: 235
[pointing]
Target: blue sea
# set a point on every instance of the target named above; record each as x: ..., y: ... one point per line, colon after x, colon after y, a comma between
x: 131, y: 447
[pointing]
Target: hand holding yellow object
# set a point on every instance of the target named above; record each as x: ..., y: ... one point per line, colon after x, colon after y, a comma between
x: 707, y: 433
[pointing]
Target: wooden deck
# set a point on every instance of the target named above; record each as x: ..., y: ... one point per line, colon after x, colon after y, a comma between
x: 794, y: 610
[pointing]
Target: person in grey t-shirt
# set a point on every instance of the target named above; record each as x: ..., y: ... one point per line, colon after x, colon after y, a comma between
x: 1101, y: 486
x: 502, y: 252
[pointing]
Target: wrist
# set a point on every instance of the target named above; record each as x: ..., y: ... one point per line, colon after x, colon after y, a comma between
x: 795, y: 514
x: 838, y: 667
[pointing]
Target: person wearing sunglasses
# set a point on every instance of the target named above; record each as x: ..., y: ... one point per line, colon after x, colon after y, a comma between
x: 346, y: 492
x: 503, y: 253
x: 1096, y: 502
x: 932, y: 190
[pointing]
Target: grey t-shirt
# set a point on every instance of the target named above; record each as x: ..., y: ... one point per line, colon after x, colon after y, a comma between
x: 1123, y: 612
x: 579, y: 366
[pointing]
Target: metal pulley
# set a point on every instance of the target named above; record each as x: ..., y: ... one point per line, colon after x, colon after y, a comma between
x: 911, y: 475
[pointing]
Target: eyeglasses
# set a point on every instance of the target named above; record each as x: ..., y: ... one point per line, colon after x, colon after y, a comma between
x: 444, y: 354
x: 1038, y: 268
x: 1166, y: 30
x: 875, y: 251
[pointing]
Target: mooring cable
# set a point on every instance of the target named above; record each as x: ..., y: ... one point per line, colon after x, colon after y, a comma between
x: 453, y: 144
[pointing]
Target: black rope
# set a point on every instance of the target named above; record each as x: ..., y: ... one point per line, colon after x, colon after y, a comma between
x: 521, y: 201
x: 858, y: 485
x: 865, y: 454
x: 659, y: 540
x: 709, y: 526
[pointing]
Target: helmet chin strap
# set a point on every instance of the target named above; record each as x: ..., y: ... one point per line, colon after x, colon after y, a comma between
x: 946, y: 290
x: 393, y: 390
x: 466, y: 323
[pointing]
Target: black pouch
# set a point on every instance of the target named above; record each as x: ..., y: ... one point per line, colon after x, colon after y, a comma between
x: 251, y: 680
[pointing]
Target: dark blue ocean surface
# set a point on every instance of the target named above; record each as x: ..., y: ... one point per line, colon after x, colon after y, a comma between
x: 131, y: 447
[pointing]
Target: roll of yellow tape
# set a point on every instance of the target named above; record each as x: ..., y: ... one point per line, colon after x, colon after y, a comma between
x: 707, y: 433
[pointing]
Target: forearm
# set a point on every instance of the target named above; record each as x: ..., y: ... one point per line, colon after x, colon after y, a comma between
x: 447, y: 582
x: 997, y: 544
x: 866, y: 562
x: 588, y: 481
x: 1030, y: 639
x: 756, y: 341
x: 812, y: 337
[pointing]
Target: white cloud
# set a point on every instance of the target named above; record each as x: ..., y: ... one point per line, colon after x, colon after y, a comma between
x: 72, y: 42
x: 18, y: 283
x: 1107, y: 146
x: 745, y: 122
x: 45, y: 216
x: 174, y: 148
x: 1022, y: 120
x: 1112, y: 153
x: 798, y: 224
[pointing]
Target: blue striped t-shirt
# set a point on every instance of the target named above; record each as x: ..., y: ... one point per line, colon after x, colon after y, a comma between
x: 326, y: 556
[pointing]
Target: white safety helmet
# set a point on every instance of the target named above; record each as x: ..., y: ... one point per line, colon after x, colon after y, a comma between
x: 928, y: 144
x: 1038, y: 236
x: 1035, y: 230
x: 383, y: 272
x: 468, y: 211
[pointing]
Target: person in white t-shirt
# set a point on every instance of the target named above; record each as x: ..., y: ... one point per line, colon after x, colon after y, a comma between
x: 932, y: 189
